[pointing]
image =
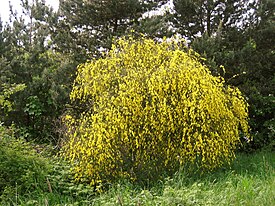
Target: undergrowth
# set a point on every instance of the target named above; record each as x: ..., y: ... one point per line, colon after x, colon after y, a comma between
x: 32, y: 175
x: 250, y: 180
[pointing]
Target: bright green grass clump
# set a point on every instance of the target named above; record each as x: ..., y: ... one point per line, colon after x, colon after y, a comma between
x: 148, y: 108
x: 31, y: 175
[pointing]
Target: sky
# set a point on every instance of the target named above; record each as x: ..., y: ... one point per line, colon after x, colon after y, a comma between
x: 4, y: 7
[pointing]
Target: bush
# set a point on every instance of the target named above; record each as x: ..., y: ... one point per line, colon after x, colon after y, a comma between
x: 262, y: 117
x: 21, y: 169
x: 248, y: 61
x: 147, y: 108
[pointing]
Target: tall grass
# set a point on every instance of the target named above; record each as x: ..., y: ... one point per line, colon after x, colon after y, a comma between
x: 250, y: 180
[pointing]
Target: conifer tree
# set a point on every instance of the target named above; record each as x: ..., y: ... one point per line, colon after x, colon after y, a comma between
x: 28, y: 58
x: 246, y: 51
x: 194, y: 18
x: 87, y: 27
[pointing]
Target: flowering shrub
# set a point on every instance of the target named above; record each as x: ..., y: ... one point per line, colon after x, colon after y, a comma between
x: 150, y: 107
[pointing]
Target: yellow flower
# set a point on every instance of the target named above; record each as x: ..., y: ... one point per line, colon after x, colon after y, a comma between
x: 148, y: 108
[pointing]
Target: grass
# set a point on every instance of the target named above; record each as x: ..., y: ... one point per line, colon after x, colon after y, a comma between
x: 250, y: 180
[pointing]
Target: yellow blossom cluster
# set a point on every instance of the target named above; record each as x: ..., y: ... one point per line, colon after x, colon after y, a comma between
x: 149, y: 107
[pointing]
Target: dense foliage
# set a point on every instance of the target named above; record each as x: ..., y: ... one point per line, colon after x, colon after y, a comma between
x: 148, y: 108
x: 88, y: 26
x: 248, y: 57
x: 28, y: 59
x: 29, y: 171
x: 42, y: 49
x: 199, y: 17
x: 21, y: 170
x: 39, y: 54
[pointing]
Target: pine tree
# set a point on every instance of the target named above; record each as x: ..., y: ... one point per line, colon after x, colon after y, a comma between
x: 85, y: 28
x: 246, y: 51
x: 28, y: 57
x: 201, y: 17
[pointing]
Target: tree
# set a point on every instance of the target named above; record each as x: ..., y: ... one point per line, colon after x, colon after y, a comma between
x: 156, y: 25
x: 28, y: 58
x: 200, y: 17
x: 87, y: 27
x: 260, y: 83
x: 247, y: 55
